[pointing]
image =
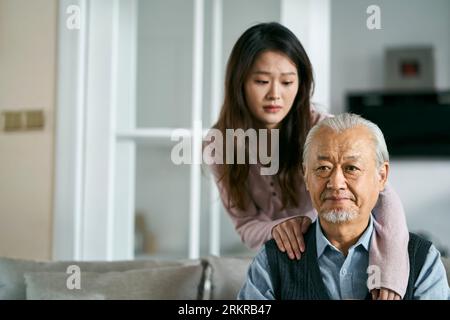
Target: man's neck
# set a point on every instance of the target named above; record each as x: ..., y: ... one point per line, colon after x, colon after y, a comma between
x: 343, y: 235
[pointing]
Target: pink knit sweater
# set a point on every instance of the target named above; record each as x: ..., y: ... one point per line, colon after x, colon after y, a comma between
x: 389, y: 247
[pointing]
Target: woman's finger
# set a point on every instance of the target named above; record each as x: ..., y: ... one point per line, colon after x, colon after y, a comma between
x: 301, y: 242
x: 389, y: 295
x: 290, y: 232
x: 383, y: 294
x: 375, y: 293
x: 289, y: 237
x: 299, y: 237
x: 286, y: 243
x: 393, y: 295
x: 276, y: 236
x: 305, y: 224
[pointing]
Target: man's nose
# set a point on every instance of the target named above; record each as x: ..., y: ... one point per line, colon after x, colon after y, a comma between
x: 337, y: 180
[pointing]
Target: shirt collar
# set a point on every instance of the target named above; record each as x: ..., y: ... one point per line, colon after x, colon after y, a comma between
x: 322, y: 242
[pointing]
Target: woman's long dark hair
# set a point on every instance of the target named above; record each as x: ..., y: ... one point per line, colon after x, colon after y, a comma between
x: 235, y: 113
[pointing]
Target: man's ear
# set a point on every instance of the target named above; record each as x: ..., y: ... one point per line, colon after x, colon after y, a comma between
x: 383, y: 173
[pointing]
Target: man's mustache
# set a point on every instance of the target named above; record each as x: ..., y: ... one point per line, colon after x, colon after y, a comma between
x: 332, y: 195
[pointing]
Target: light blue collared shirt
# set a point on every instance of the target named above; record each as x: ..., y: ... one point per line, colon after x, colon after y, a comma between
x: 346, y: 277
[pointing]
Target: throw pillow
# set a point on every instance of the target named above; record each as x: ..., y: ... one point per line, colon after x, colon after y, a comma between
x: 169, y: 283
x: 12, y: 285
x: 227, y: 276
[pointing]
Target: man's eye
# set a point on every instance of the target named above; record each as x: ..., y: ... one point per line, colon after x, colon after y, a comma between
x: 323, y: 171
x: 351, y: 168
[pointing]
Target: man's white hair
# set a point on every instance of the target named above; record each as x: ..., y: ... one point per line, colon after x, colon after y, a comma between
x: 347, y: 121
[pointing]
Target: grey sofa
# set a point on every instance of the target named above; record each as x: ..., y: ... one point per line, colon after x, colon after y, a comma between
x: 208, y: 278
x: 217, y: 278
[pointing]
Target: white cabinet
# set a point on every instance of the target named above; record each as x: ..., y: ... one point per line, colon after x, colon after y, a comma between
x: 134, y: 72
x: 164, y: 98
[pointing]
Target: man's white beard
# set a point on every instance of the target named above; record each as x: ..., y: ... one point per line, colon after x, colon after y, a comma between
x: 338, y: 216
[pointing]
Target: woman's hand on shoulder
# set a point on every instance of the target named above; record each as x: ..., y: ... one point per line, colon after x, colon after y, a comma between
x: 384, y: 294
x: 289, y: 236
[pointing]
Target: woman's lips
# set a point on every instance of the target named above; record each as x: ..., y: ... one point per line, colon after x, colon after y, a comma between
x: 272, y: 108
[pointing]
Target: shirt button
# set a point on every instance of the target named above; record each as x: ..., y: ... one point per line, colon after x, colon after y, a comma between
x: 271, y: 184
x: 274, y: 194
x: 344, y: 272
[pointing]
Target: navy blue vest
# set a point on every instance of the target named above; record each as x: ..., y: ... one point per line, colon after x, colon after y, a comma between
x: 302, y: 279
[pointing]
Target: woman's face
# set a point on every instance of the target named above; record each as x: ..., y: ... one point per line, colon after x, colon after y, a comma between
x: 270, y: 88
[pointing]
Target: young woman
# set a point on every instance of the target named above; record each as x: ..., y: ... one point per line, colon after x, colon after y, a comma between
x: 268, y: 85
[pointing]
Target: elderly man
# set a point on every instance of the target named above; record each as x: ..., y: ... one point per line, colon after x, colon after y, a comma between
x: 345, y: 163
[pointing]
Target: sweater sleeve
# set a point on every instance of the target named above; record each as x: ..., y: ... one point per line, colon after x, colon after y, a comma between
x: 254, y: 227
x: 389, y: 247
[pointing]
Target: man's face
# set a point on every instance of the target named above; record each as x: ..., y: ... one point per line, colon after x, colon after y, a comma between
x: 341, y: 174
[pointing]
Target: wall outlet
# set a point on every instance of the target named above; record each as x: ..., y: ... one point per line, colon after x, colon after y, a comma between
x: 12, y: 121
x: 34, y: 119
x: 22, y: 120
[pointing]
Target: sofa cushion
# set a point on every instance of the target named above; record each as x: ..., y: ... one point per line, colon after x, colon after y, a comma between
x: 168, y: 283
x: 12, y: 284
x: 227, y: 276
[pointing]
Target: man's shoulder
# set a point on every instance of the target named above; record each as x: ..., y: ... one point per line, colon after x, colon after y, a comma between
x: 418, y: 248
x: 416, y: 240
x: 270, y: 245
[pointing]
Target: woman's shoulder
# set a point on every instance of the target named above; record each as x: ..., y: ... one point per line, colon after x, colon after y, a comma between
x: 319, y: 113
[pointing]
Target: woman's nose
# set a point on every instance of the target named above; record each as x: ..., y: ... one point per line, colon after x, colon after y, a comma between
x: 274, y: 93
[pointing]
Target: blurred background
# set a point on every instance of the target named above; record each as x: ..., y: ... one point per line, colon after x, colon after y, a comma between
x: 91, y: 92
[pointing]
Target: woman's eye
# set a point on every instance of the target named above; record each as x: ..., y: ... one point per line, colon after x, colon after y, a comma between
x: 261, y: 81
x: 288, y: 83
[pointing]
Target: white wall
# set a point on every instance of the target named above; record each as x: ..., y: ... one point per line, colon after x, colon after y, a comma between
x: 357, y: 52
x: 424, y: 187
x: 357, y: 64
x: 27, y: 81
x: 310, y: 21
